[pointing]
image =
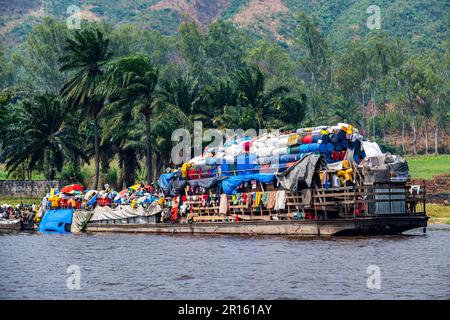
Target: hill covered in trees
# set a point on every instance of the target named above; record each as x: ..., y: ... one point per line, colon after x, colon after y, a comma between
x: 114, y: 91
x: 420, y: 23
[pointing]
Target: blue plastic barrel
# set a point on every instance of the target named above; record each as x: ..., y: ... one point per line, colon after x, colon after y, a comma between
x: 323, y: 148
x: 245, y: 163
x: 341, y: 135
x: 334, y: 138
x: 290, y: 158
x: 326, y: 138
x: 304, y: 148
x: 344, y: 144
x: 330, y: 147
x: 313, y: 147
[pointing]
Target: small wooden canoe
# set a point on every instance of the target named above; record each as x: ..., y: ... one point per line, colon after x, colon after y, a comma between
x: 11, y: 224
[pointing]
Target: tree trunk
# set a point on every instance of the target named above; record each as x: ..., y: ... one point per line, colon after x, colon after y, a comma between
x: 120, y: 182
x: 426, y: 135
x: 384, y: 115
x: 363, y: 120
x: 403, y: 136
x: 130, y: 164
x: 436, y: 131
x: 97, y: 154
x: 159, y: 164
x: 373, y: 116
x: 414, y: 136
x: 149, y: 148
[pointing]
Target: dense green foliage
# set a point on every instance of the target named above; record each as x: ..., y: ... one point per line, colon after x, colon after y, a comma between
x: 44, y: 136
x: 122, y: 90
x: 423, y: 24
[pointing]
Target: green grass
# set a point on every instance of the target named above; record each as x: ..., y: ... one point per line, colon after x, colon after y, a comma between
x: 426, y: 167
x: 438, y: 213
x: 17, y: 200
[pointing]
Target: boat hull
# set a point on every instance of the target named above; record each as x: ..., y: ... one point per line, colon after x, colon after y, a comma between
x: 357, y: 226
x: 11, y: 225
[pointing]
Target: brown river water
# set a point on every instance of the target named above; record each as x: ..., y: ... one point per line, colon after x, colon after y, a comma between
x: 119, y: 266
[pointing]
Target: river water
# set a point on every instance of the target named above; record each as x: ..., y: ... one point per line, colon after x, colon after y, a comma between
x: 119, y: 266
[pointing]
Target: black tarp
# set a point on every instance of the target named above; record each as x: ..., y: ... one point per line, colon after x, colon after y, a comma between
x: 206, y: 183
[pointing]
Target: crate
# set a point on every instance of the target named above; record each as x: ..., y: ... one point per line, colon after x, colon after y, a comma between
x: 294, y: 139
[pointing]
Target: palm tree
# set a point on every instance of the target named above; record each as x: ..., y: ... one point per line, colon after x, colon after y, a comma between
x: 184, y: 94
x: 273, y: 106
x: 42, y: 133
x: 85, y: 56
x: 165, y: 124
x: 131, y: 82
x: 214, y: 97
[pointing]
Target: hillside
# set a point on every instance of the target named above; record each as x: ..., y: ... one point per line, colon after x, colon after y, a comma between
x: 421, y: 23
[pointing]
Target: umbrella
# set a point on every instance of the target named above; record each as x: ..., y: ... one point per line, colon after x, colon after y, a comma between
x: 135, y: 187
x: 149, y: 188
x: 72, y: 187
x: 121, y: 194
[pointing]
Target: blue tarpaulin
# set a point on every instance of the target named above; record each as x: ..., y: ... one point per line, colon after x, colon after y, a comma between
x: 229, y: 186
x: 56, y: 221
x: 165, y: 181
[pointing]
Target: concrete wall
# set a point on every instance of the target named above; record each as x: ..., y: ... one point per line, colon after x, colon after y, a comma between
x: 28, y: 188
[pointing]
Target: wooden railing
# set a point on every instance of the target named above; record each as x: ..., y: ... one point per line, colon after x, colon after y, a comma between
x: 331, y: 203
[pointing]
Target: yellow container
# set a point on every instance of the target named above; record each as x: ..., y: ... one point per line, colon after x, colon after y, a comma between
x: 294, y: 139
x: 345, y: 163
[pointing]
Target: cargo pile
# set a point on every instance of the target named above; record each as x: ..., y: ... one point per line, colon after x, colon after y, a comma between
x: 271, y: 153
x: 74, y: 196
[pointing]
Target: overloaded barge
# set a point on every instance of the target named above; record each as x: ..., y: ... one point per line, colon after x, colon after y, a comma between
x: 312, y: 182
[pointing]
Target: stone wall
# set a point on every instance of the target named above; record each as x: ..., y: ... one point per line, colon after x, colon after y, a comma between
x: 28, y: 188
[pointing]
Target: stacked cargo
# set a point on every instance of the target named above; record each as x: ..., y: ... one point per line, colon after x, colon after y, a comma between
x: 275, y: 153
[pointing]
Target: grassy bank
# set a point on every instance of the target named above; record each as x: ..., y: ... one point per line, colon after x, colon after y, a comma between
x: 426, y: 167
x: 438, y: 213
x: 17, y: 200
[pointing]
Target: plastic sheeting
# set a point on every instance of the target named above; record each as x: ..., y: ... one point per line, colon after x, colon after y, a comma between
x: 56, y: 221
x: 303, y: 171
x: 372, y: 149
x: 123, y: 212
x: 165, y: 180
x: 229, y: 186
x: 205, y: 183
x: 80, y: 220
x: 375, y: 170
x: 397, y: 165
x: 177, y: 187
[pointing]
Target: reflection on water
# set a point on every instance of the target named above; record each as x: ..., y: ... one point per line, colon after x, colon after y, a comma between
x: 118, y: 266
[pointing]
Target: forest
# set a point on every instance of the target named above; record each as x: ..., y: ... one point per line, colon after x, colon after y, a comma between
x: 113, y: 95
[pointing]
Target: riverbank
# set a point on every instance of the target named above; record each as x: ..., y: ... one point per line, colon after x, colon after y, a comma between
x: 439, y: 214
